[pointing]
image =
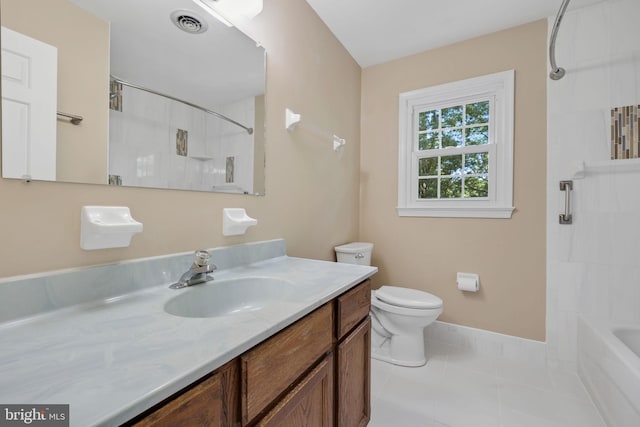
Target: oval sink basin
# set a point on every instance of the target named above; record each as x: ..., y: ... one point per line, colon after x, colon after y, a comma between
x: 229, y: 297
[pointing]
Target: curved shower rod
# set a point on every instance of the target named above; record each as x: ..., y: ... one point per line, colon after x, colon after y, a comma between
x: 556, y: 72
x: 197, y: 107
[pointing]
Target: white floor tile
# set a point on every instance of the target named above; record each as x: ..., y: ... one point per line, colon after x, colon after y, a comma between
x: 532, y: 401
x: 386, y: 414
x: 569, y: 383
x: 517, y: 372
x: 512, y: 418
x: 475, y: 362
x: 458, y: 389
x: 381, y: 378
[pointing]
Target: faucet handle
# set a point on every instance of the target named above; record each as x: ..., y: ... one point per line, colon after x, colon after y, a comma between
x: 201, y: 258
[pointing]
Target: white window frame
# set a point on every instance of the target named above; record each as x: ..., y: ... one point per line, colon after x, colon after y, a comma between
x: 498, y: 88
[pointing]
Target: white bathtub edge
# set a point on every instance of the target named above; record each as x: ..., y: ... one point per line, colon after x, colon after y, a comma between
x: 610, y: 372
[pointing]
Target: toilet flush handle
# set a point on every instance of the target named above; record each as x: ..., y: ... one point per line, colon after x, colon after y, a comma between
x: 359, y: 255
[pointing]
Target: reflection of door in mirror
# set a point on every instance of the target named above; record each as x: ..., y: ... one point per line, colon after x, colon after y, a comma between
x: 82, y: 43
x: 29, y: 69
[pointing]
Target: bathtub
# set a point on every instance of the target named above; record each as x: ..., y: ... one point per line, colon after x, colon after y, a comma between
x: 609, y: 366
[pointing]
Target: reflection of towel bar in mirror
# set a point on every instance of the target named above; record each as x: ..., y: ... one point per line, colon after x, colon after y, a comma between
x: 197, y: 107
x: 75, y: 120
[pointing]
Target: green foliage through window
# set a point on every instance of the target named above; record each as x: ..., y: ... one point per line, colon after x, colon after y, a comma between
x: 459, y: 176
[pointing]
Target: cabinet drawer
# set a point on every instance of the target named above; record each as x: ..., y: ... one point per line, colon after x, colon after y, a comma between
x: 309, y: 404
x: 271, y: 367
x: 201, y: 405
x: 214, y: 401
x: 352, y: 307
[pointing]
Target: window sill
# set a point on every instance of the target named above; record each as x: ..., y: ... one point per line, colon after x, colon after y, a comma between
x: 452, y: 212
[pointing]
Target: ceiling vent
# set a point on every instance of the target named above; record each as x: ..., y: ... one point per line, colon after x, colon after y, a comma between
x: 187, y: 21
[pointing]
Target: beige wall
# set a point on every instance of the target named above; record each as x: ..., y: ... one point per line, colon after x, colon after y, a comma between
x: 426, y: 253
x: 312, y: 193
x: 83, y: 75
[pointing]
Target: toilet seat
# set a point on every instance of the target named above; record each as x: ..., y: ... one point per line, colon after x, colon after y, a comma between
x: 405, y: 311
x: 407, y: 298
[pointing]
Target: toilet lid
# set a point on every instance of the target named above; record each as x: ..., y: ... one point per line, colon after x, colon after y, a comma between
x: 410, y: 298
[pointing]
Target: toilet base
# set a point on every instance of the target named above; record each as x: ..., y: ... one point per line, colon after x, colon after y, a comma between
x: 383, y: 353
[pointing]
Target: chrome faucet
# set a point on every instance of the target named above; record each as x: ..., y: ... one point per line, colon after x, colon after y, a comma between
x: 198, y: 272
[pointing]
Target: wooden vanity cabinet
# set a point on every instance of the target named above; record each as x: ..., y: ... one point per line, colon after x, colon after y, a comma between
x: 314, y: 373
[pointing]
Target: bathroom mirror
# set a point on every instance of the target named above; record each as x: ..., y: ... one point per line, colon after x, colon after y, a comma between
x: 144, y: 93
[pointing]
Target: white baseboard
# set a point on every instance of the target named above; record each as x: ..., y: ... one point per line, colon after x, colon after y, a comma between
x: 493, y: 344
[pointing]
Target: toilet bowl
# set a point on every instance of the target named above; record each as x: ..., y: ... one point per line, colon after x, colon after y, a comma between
x: 398, y: 315
x: 398, y: 318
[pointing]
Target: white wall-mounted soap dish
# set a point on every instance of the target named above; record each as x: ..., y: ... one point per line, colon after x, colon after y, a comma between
x: 104, y: 227
x: 235, y: 221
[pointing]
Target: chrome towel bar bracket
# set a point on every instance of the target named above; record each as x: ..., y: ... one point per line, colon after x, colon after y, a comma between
x: 75, y: 120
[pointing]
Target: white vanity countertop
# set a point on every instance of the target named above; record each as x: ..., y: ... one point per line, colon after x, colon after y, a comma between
x: 115, y: 358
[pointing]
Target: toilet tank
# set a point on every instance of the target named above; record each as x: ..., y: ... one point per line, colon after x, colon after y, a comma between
x: 354, y: 253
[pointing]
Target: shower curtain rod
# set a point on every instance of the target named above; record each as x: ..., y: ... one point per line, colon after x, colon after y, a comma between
x: 197, y: 107
x: 556, y: 72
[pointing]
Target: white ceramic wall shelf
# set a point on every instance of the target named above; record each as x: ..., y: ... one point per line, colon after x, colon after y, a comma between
x: 104, y: 227
x: 235, y: 221
x: 582, y: 169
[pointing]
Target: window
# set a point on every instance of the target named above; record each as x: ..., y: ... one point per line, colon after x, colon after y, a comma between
x: 456, y: 149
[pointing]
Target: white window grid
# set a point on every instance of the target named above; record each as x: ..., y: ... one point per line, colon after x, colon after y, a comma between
x: 489, y: 148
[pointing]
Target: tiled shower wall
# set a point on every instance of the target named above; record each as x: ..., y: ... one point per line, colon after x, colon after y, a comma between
x: 592, y: 265
x: 142, y: 144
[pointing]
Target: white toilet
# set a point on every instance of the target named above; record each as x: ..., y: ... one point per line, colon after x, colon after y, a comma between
x: 398, y: 319
x: 398, y: 315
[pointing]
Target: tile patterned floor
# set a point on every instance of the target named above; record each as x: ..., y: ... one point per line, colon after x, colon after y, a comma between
x: 456, y: 389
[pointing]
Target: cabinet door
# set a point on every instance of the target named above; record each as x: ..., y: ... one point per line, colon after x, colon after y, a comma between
x: 354, y: 377
x: 309, y: 404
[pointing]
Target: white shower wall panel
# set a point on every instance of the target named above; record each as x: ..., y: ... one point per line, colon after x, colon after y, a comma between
x: 143, y: 147
x: 593, y: 264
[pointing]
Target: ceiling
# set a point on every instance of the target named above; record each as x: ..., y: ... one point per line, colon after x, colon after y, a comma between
x: 219, y: 66
x: 376, y: 31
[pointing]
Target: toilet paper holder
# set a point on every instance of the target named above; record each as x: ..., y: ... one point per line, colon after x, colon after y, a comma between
x: 469, y: 282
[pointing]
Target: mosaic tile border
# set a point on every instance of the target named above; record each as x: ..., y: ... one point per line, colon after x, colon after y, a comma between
x: 182, y: 142
x: 625, y: 132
